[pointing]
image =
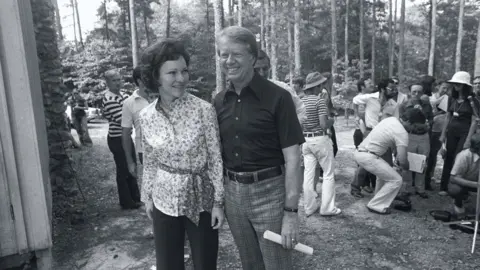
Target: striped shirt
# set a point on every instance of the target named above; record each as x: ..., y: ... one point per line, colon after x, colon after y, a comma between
x: 112, y: 110
x: 315, y: 107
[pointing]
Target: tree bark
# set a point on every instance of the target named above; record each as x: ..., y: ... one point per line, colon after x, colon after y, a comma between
x: 218, y: 12
x: 273, y: 56
x: 374, y: 39
x: 433, y: 30
x: 58, y: 21
x: 145, y: 25
x: 290, y: 52
x: 231, y: 20
x: 458, y: 50
x: 267, y: 26
x: 362, y: 49
x: 167, y: 31
x: 78, y: 22
x: 133, y: 28
x: 262, y: 25
x: 107, y: 34
x: 334, y: 37
x: 74, y: 25
x: 240, y: 12
x: 207, y: 15
x: 296, y: 38
x: 347, y: 4
x: 390, y: 39
x: 476, y: 71
x: 401, y: 49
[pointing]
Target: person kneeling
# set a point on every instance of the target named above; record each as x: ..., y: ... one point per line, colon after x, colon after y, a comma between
x: 464, y: 175
x: 389, y: 133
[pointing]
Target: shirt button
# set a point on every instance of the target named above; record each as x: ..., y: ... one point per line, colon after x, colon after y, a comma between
x: 238, y: 100
x: 236, y: 154
x: 236, y: 136
x: 236, y: 118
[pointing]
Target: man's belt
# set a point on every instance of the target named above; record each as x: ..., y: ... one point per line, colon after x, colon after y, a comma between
x: 314, y: 134
x: 418, y: 133
x: 366, y: 151
x: 252, y: 177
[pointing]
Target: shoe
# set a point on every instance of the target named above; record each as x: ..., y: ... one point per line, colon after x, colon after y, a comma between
x: 422, y: 195
x: 335, y: 212
x: 356, y: 194
x: 313, y: 212
x: 443, y: 193
x: 387, y: 211
x: 405, y: 207
x: 368, y: 189
x: 135, y: 205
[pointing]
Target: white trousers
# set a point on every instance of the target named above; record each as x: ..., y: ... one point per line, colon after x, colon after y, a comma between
x: 388, y: 184
x: 319, y: 150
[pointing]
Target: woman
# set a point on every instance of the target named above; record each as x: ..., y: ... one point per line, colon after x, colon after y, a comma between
x: 459, y: 125
x: 183, y: 174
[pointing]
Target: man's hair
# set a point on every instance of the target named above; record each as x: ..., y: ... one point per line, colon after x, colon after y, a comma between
x: 360, y: 84
x: 262, y: 55
x: 137, y: 75
x: 476, y: 78
x: 413, y: 84
x: 110, y: 73
x: 168, y: 49
x: 384, y: 83
x: 241, y: 35
x: 298, y: 80
x: 427, y: 82
x: 414, y: 116
x: 475, y: 143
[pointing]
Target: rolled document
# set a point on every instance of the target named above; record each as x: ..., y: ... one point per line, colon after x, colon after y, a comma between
x: 269, y: 235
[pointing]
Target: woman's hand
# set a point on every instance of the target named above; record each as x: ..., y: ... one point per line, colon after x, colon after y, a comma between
x: 149, y: 209
x: 218, y: 217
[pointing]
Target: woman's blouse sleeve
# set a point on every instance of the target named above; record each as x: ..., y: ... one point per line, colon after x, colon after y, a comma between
x: 214, y: 159
x: 148, y: 174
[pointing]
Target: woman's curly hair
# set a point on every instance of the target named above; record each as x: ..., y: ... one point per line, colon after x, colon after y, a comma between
x: 152, y: 59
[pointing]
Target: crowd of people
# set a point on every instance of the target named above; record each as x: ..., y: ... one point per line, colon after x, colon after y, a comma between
x: 247, y: 157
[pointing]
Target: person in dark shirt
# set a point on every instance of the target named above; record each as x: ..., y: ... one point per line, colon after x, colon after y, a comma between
x: 261, y: 137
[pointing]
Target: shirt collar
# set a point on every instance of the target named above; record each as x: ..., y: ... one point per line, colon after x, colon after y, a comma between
x: 254, y: 86
x: 136, y: 95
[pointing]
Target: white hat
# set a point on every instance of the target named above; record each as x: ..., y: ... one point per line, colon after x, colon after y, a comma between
x: 462, y: 77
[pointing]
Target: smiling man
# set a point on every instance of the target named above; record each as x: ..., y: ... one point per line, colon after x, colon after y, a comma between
x: 261, y: 138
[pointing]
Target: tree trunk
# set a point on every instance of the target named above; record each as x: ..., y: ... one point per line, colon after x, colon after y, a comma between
x: 78, y: 22
x: 267, y: 26
x: 273, y: 56
x: 167, y: 31
x: 334, y: 37
x: 394, y: 38
x: 390, y: 39
x: 262, y: 25
x: 433, y: 29
x: 145, y: 24
x: 74, y: 25
x: 231, y: 20
x: 107, y: 34
x: 133, y: 28
x: 374, y: 39
x: 458, y: 50
x: 240, y: 12
x: 347, y: 4
x: 362, y: 49
x: 296, y: 38
x: 207, y: 15
x: 476, y: 71
x: 290, y: 52
x: 218, y: 12
x: 58, y: 21
x: 401, y: 49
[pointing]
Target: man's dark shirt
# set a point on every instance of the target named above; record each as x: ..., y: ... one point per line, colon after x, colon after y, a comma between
x: 257, y: 125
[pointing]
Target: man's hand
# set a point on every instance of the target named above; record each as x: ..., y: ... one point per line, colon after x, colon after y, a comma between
x: 149, y: 209
x: 218, y: 217
x: 466, y: 145
x: 132, y: 169
x: 289, y: 230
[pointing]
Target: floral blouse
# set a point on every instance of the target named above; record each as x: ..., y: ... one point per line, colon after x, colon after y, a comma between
x: 183, y: 169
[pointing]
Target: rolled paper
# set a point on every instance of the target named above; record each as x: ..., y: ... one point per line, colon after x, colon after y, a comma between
x: 274, y: 237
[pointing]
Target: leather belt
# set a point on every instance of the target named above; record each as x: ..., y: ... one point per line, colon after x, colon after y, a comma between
x: 252, y: 177
x: 418, y: 133
x: 314, y: 134
x: 366, y: 151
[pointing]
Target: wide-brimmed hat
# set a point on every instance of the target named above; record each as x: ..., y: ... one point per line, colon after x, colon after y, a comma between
x: 314, y: 79
x: 462, y: 77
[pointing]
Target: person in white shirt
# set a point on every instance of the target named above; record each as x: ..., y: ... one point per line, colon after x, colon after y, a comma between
x: 130, y: 118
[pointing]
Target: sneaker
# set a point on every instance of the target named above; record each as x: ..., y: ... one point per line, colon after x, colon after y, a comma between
x: 442, y: 193
x: 356, y: 194
x: 368, y: 189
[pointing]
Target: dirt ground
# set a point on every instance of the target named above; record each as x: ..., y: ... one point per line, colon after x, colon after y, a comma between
x: 105, y: 237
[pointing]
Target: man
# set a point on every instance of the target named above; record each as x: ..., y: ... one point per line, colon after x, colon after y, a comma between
x: 476, y: 85
x: 464, y: 175
x: 127, y: 186
x: 261, y: 138
x: 390, y: 133
x: 370, y: 99
x: 391, y: 98
x: 318, y: 149
x: 418, y: 137
x: 298, y: 84
x: 130, y: 117
x: 262, y: 67
x: 79, y: 106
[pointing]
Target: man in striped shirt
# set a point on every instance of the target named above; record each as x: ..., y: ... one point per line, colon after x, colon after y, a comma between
x: 318, y: 148
x: 128, y: 192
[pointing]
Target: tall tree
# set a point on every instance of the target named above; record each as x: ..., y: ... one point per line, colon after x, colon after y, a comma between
x: 77, y: 16
x: 240, y: 12
x: 267, y: 26
x: 58, y: 21
x: 390, y: 39
x: 362, y: 44
x: 103, y: 12
x: 433, y: 30
x: 401, y: 49
x: 458, y: 50
x: 394, y: 35
x: 207, y: 15
x: 262, y: 24
x: 290, y: 51
x: 218, y: 12
x: 167, y: 30
x: 374, y: 39
x: 74, y: 25
x: 347, y: 5
x: 133, y: 27
x: 231, y: 21
x: 296, y: 38
x: 476, y: 71
x: 334, y: 52
x: 273, y: 37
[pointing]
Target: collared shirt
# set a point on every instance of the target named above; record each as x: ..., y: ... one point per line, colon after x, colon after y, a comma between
x: 316, y: 107
x: 372, y: 107
x: 112, y: 110
x: 467, y: 165
x: 299, y: 106
x: 256, y: 125
x: 388, y: 134
x: 130, y: 116
x: 424, y: 106
x: 182, y: 170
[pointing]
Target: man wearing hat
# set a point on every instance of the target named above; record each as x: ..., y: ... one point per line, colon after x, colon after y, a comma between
x: 464, y: 175
x: 318, y: 148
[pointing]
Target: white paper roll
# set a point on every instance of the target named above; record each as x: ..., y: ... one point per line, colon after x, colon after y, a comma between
x: 269, y: 235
